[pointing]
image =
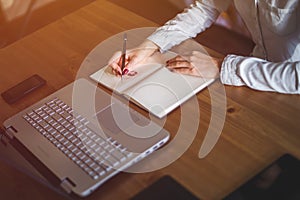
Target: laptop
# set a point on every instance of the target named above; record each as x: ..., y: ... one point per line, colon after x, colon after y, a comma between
x: 84, y: 136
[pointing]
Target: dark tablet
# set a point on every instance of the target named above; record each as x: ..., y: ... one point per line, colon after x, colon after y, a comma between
x: 165, y: 188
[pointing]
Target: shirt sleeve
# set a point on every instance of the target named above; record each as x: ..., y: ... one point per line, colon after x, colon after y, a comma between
x: 256, y: 73
x: 189, y: 23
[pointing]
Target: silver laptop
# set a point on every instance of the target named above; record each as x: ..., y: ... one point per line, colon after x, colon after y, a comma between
x: 85, y: 136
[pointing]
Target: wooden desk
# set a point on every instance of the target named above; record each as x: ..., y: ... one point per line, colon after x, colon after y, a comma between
x: 259, y: 126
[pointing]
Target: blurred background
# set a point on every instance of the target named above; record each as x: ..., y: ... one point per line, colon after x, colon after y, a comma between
x: 19, y: 18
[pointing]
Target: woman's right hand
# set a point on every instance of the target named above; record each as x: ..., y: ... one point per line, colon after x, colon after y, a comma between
x: 133, y: 57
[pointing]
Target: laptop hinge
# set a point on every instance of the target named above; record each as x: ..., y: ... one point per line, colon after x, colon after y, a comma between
x: 10, y: 131
x: 67, y: 185
x: 6, y: 135
x: 3, y: 138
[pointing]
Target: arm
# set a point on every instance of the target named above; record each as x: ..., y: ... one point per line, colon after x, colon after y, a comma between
x: 282, y: 77
x: 188, y: 24
x: 185, y: 25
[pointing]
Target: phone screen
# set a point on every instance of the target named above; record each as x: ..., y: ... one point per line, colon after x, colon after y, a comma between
x: 21, y: 89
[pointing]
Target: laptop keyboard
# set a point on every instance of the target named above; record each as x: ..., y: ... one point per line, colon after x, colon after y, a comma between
x: 69, y: 132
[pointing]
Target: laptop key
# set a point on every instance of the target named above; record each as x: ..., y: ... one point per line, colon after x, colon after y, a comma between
x: 99, y: 170
x: 118, y: 155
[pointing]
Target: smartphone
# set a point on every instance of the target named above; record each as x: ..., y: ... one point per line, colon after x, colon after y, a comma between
x: 21, y: 89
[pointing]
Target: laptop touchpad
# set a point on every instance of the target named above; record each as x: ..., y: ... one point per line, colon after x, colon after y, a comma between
x: 116, y: 118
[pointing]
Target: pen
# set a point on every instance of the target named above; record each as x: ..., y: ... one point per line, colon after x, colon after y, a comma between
x: 123, y: 54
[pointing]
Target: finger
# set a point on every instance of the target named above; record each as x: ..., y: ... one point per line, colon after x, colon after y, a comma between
x: 119, y: 65
x: 179, y: 64
x: 177, y: 58
x: 116, y: 68
x: 121, y: 59
x: 187, y: 71
x: 116, y: 73
x: 114, y: 63
x: 125, y: 71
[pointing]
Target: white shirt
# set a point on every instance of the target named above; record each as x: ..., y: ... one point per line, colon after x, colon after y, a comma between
x: 274, y: 27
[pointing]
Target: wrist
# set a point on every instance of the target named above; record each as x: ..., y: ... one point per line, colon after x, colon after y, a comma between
x: 219, y: 62
x: 148, y: 44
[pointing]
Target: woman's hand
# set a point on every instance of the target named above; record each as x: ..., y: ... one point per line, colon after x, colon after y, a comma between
x: 133, y: 57
x: 196, y: 64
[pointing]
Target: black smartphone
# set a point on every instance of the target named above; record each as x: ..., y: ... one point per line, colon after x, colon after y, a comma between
x: 21, y: 89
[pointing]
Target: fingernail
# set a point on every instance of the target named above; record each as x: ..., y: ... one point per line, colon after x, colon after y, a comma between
x: 125, y: 71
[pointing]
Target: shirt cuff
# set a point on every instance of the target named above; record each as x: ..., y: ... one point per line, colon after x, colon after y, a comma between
x: 164, y: 40
x: 229, y: 74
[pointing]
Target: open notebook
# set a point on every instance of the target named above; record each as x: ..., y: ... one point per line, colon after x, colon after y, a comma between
x: 152, y: 86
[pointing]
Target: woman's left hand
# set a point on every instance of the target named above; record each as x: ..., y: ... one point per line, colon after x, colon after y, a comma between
x: 196, y: 64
